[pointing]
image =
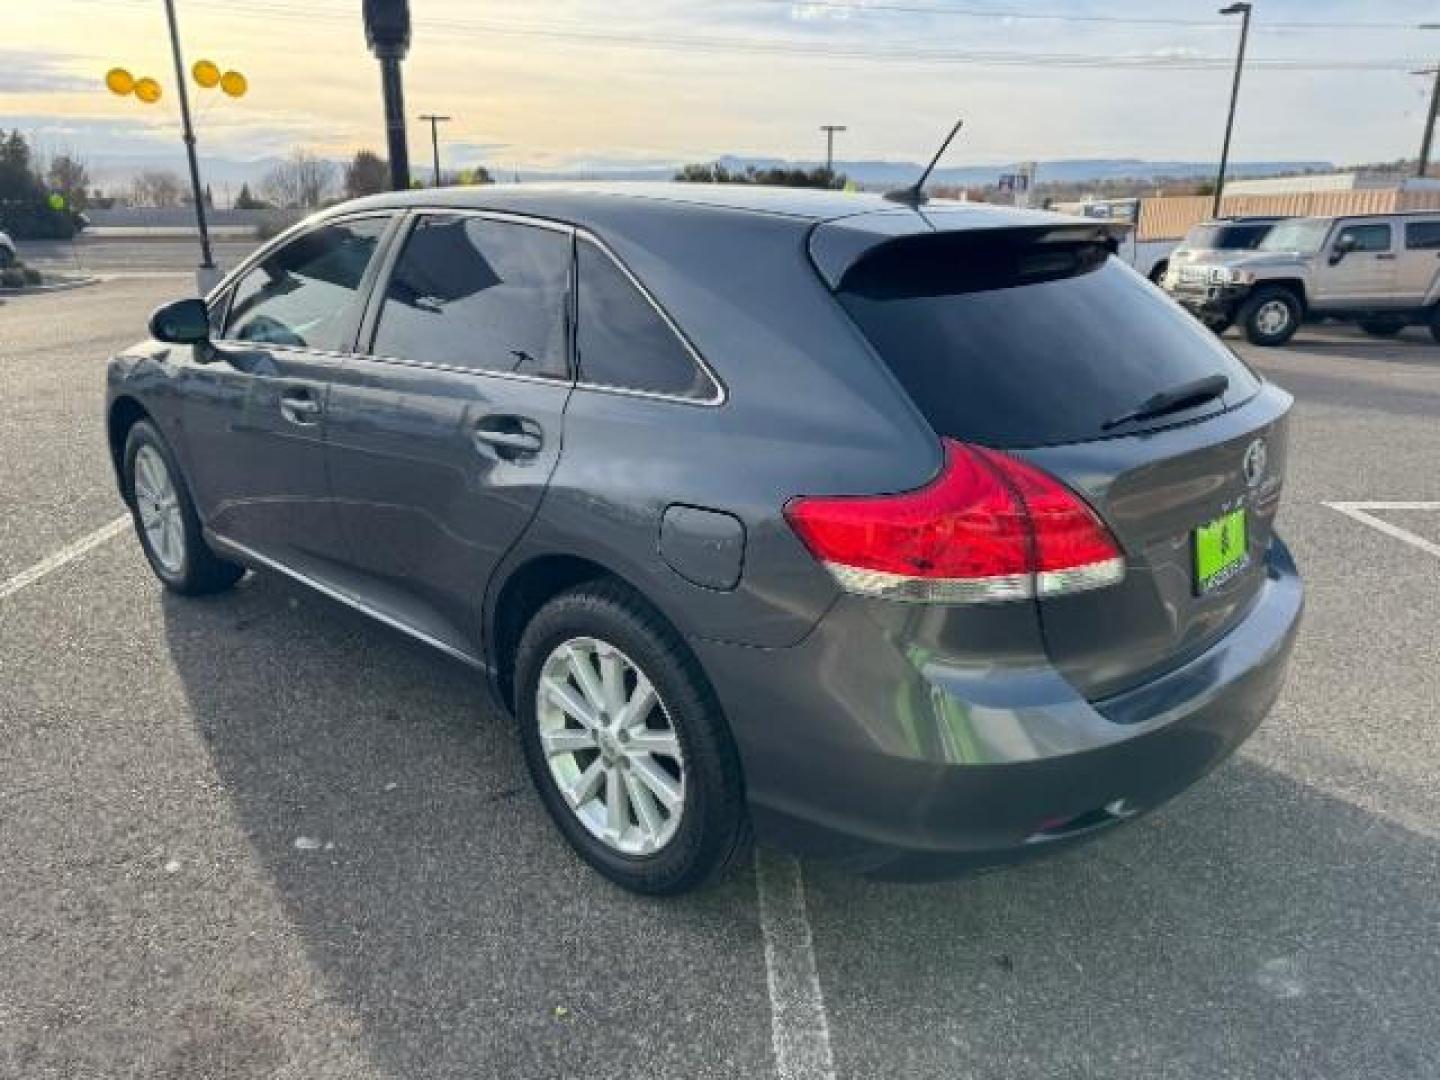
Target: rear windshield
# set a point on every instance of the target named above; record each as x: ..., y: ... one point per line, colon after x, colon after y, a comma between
x: 1014, y: 344
x: 1226, y: 237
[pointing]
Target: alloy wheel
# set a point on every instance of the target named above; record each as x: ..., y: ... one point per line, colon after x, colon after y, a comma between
x: 159, y: 505
x: 610, y: 746
x: 1272, y: 318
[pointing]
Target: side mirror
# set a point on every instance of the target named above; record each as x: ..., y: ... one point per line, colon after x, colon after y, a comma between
x: 181, y: 322
x: 1344, y: 245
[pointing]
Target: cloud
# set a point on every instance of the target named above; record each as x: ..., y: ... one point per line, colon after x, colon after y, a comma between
x: 26, y: 72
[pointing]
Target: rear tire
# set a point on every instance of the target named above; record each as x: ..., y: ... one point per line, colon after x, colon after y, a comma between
x: 1384, y: 327
x: 165, y: 518
x: 1271, y: 316
x: 675, y: 834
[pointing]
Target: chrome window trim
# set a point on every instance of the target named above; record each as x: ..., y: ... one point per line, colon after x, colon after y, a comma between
x: 432, y: 365
x: 721, y: 393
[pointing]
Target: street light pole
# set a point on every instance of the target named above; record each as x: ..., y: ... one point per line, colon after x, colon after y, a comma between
x: 1243, y: 10
x: 206, y: 275
x: 387, y: 32
x: 830, y: 130
x: 1424, y: 163
x: 435, y: 139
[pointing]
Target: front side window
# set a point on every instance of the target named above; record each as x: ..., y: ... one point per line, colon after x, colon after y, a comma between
x: 623, y: 341
x: 304, y: 294
x: 1422, y: 235
x: 1365, y: 237
x: 479, y: 294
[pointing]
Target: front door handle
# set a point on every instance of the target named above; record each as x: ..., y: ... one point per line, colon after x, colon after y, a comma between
x: 1387, y: 256
x: 510, y: 437
x: 299, y: 407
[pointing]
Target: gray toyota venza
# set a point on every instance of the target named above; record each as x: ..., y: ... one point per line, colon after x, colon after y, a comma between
x: 913, y: 537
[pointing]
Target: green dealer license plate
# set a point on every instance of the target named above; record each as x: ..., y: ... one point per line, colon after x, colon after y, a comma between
x: 1221, y: 551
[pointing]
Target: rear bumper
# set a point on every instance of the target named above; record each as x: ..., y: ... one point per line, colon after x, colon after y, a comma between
x: 947, y: 770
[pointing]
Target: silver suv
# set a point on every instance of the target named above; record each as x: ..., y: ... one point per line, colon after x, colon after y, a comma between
x: 1381, y: 270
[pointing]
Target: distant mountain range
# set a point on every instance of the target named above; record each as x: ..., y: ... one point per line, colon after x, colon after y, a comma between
x: 227, y: 174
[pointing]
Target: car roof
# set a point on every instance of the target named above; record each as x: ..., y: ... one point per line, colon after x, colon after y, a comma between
x: 843, y: 225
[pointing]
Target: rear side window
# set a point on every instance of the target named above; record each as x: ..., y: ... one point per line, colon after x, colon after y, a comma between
x: 304, y: 293
x: 1422, y: 235
x: 1012, y: 344
x: 1366, y: 237
x: 623, y: 341
x: 475, y: 293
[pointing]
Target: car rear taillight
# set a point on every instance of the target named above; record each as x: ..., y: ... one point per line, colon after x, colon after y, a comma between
x: 989, y: 527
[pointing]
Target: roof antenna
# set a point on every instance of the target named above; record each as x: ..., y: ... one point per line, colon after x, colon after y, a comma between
x: 914, y: 196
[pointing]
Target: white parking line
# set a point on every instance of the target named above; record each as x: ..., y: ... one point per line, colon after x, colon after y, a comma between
x: 799, y: 1028
x: 1358, y: 511
x: 69, y: 553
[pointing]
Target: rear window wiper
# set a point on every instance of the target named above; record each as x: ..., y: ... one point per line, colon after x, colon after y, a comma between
x: 1177, y: 398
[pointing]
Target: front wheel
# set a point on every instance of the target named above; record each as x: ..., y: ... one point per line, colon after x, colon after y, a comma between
x: 166, y: 521
x: 626, y: 743
x: 1270, y: 316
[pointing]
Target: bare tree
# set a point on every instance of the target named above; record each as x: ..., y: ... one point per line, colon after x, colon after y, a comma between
x: 367, y: 174
x: 155, y: 187
x: 302, y: 181
x: 69, y: 176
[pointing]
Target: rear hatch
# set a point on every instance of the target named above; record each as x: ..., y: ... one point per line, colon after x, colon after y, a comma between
x: 1040, y: 346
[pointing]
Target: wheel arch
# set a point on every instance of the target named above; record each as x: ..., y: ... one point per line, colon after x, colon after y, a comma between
x: 1294, y: 286
x: 124, y: 413
x: 525, y: 589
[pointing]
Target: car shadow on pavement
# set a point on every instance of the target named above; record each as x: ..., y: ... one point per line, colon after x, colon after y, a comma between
x: 1256, y: 927
x: 436, y: 902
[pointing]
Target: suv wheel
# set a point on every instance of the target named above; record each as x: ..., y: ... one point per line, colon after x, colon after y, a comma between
x: 165, y: 519
x: 1386, y: 326
x: 1270, y: 316
x: 626, y: 743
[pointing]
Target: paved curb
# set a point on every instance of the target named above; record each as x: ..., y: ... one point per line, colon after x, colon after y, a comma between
x: 58, y: 286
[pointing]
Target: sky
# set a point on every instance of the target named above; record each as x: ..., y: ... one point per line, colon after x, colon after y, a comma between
x: 598, y: 83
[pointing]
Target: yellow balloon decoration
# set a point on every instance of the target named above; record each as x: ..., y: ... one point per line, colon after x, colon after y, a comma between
x: 234, y: 84
x: 147, y: 90
x: 206, y: 73
x: 119, y: 81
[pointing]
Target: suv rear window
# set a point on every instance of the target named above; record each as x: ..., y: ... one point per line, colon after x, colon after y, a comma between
x: 1009, y: 343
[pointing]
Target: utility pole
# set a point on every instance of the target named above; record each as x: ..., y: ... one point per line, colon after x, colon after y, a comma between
x: 387, y: 32
x: 1424, y: 163
x: 1243, y: 10
x: 435, y: 120
x: 830, y: 130
x: 206, y: 276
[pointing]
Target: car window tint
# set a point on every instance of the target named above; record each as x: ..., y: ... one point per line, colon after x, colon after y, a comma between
x: 474, y: 293
x: 1422, y: 235
x: 623, y: 341
x: 1369, y: 237
x: 304, y: 294
x: 1011, y: 344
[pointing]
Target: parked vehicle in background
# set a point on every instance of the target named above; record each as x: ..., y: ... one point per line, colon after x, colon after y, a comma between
x: 1149, y: 257
x: 920, y: 541
x: 1206, y: 238
x: 1381, y: 271
x: 8, y: 254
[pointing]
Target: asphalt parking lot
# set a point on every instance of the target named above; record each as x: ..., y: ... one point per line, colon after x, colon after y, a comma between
x: 260, y: 836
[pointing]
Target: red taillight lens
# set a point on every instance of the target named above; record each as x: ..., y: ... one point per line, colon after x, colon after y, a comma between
x: 989, y: 527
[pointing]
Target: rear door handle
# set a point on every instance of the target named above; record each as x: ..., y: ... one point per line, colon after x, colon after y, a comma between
x: 1387, y: 256
x: 299, y: 407
x: 510, y: 437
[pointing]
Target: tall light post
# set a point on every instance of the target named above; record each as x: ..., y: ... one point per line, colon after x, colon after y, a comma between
x: 1423, y: 164
x: 830, y: 130
x: 206, y: 275
x: 434, y: 121
x: 387, y: 32
x: 1243, y: 10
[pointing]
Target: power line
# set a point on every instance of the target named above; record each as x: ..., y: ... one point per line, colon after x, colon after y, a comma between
x: 855, y: 7
x: 1158, y: 61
